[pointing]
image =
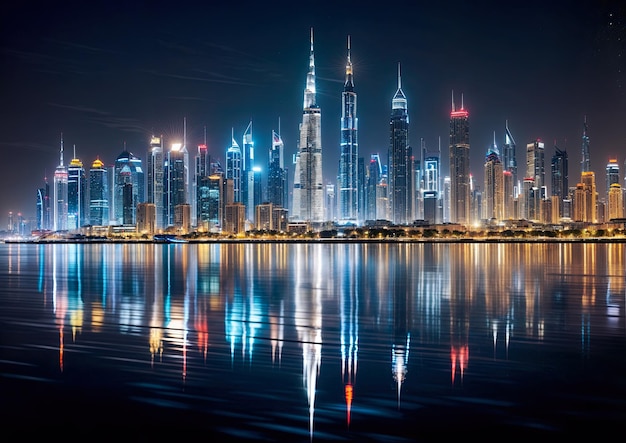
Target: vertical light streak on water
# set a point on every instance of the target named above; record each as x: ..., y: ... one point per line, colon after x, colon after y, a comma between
x: 349, y: 257
x: 104, y: 265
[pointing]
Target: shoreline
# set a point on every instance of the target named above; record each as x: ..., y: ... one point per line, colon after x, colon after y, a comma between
x: 321, y: 240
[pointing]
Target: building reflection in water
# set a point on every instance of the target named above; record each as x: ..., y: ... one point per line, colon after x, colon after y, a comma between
x: 410, y: 297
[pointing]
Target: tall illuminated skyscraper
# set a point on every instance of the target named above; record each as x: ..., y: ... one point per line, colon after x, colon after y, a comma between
x: 43, y: 207
x: 612, y: 173
x: 459, y: 165
x: 247, y: 172
x: 559, y: 180
x: 60, y: 194
x: 98, y: 194
x: 234, y: 168
x: 349, y: 150
x: 585, y: 163
x: 128, y: 187
x: 76, y: 193
x: 277, y: 176
x: 155, y: 179
x: 493, y: 195
x: 509, y: 160
x: 400, y: 160
x: 535, y: 163
x: 308, y: 201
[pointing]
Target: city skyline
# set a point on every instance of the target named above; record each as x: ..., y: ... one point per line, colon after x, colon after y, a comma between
x: 105, y: 94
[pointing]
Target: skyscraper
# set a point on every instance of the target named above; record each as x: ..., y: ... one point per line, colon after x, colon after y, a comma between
x: 247, y: 172
x: 98, y: 194
x: 349, y: 150
x: 612, y: 173
x: 128, y: 186
x: 493, y: 195
x: 584, y: 163
x: 234, y: 168
x: 43, y: 207
x: 201, y: 170
x: 176, y: 179
x: 559, y: 180
x: 155, y: 179
x: 374, y: 174
x: 509, y: 160
x: 76, y: 194
x: 400, y: 160
x: 60, y: 194
x: 276, y: 178
x: 535, y: 163
x: 459, y: 165
x: 308, y: 200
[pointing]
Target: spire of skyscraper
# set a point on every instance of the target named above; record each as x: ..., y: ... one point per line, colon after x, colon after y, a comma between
x: 308, y: 196
x: 585, y: 164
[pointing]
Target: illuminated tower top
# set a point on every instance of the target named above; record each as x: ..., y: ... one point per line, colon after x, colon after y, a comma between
x: 349, y: 85
x: 399, y: 99
x: 309, y: 92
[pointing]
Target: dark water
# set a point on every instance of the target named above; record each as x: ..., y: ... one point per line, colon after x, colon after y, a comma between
x: 299, y: 342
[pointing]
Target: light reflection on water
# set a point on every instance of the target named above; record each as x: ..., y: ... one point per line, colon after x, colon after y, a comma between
x: 325, y: 340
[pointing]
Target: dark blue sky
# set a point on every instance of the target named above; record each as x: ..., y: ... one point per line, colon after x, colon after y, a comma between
x: 109, y: 73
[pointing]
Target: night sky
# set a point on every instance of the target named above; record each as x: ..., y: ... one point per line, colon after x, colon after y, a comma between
x: 109, y: 74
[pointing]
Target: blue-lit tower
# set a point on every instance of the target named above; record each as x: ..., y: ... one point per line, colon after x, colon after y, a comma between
x: 76, y: 194
x: 277, y: 176
x: 128, y: 187
x: 509, y: 159
x: 400, y: 160
x: 98, y: 194
x: 348, y: 178
x: 247, y: 172
x: 234, y: 168
x: 155, y: 179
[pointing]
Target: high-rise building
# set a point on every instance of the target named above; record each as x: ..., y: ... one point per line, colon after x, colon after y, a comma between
x: 60, y: 194
x: 374, y: 174
x: 276, y: 177
x: 588, y: 180
x: 612, y: 174
x: 247, y: 172
x: 146, y: 218
x: 559, y: 177
x: 509, y: 195
x: 43, y: 207
x: 509, y: 159
x: 616, y: 203
x: 585, y: 165
x: 493, y: 195
x: 535, y: 163
x: 331, y: 202
x: 98, y: 194
x: 446, y: 197
x: 202, y: 167
x: 176, y: 178
x: 349, y: 150
x: 234, y: 168
x: 128, y: 170
x: 459, y: 165
x: 211, y: 194
x: 155, y: 180
x: 400, y: 164
x: 76, y: 193
x: 308, y: 192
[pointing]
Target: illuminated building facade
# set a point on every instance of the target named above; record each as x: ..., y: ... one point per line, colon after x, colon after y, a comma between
x: 234, y: 168
x: 535, y: 162
x: 493, y: 197
x: 175, y: 191
x: 277, y: 174
x: 211, y: 191
x: 585, y: 165
x: 129, y: 187
x: 247, y: 172
x: 588, y: 180
x: 616, y: 204
x: 60, y: 195
x: 76, y: 194
x: 374, y: 174
x: 43, y: 207
x: 155, y: 179
x: 308, y: 192
x: 560, y: 185
x: 349, y: 150
x: 612, y: 174
x: 459, y: 166
x: 509, y: 159
x: 400, y: 161
x: 98, y: 194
